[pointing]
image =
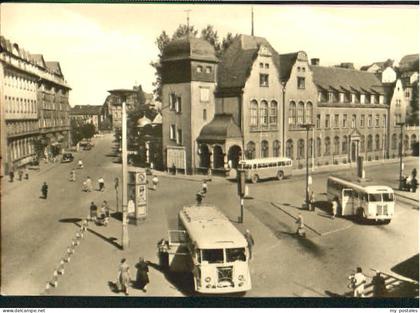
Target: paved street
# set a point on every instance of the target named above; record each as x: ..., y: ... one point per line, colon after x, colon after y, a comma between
x: 37, y: 232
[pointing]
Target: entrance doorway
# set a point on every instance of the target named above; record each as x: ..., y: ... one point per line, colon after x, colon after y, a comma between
x: 204, y: 156
x: 218, y: 159
x: 234, y: 155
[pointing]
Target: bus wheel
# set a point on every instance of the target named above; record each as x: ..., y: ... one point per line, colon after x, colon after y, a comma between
x: 254, y: 178
x: 280, y: 175
x: 360, y: 215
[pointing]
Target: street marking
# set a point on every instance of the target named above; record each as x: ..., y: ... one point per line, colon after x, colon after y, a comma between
x: 336, y: 230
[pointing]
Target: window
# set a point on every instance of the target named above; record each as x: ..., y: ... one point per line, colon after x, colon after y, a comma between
x: 336, y: 145
x: 267, y: 65
x: 310, y: 147
x: 276, y: 148
x: 303, y: 69
x: 362, y: 143
x: 208, y: 69
x: 344, y: 121
x: 309, y: 113
x: 327, y: 121
x: 298, y: 68
x: 370, y: 120
x: 369, y: 143
x: 261, y: 65
x: 318, y: 147
x: 407, y: 94
x: 235, y: 254
x: 179, y: 136
x: 264, y: 149
x: 253, y: 113
x: 289, y: 149
x: 172, y: 101
x: 301, y: 149
x: 344, y: 145
x: 264, y: 113
x: 204, y: 115
x: 172, y: 132
x: 327, y: 146
x: 212, y: 255
x: 318, y: 121
x: 273, y: 113
x: 263, y: 80
x: 301, y: 82
x: 199, y: 69
x: 377, y: 120
x: 398, y: 102
x: 377, y: 143
x: 300, y: 113
x: 362, y: 120
x: 250, y: 150
x: 178, y: 105
x: 353, y: 121
x: 204, y: 94
x: 292, y: 113
x: 336, y: 121
x: 384, y: 120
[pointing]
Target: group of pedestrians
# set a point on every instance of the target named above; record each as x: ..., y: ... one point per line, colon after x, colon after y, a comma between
x: 22, y: 173
x: 124, y: 278
x: 101, y: 216
x: 87, y: 185
x: 202, y: 193
x: 358, y: 283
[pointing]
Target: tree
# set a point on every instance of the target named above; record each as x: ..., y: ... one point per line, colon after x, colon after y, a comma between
x: 76, y: 134
x: 210, y: 35
x: 87, y: 130
x: 227, y: 41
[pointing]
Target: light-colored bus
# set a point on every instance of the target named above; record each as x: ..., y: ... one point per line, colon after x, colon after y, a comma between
x: 212, y: 249
x: 361, y: 199
x: 257, y: 169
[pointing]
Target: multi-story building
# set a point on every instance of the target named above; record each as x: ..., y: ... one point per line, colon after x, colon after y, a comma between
x: 87, y: 114
x: 261, y: 99
x: 23, y: 79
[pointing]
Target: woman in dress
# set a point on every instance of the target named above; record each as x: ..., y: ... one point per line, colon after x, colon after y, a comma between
x: 123, y: 277
x: 142, y: 278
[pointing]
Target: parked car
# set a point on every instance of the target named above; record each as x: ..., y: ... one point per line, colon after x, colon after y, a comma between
x: 67, y: 157
x: 88, y: 146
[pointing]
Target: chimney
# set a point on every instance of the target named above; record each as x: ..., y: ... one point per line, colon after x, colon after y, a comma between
x: 315, y: 61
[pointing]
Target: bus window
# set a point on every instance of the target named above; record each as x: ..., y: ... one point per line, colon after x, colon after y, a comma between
x: 388, y: 197
x: 212, y: 255
x: 375, y: 197
x: 235, y: 254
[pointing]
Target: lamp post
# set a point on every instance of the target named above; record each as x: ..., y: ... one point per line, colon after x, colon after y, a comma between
x: 123, y: 94
x: 401, y: 124
x: 308, y: 127
x: 283, y: 89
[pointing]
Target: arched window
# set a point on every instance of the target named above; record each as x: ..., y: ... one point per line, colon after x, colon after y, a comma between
x: 318, y: 147
x: 336, y: 145
x: 264, y: 113
x: 310, y: 148
x: 250, y: 150
x: 276, y: 148
x: 292, y: 113
x: 369, y: 143
x: 327, y: 146
x: 344, y: 145
x: 362, y: 143
x: 273, y: 112
x: 406, y: 143
x: 264, y: 149
x: 300, y: 113
x: 394, y: 142
x: 377, y: 143
x: 413, y: 141
x: 289, y: 149
x: 300, y: 149
x: 253, y: 113
x: 309, y: 113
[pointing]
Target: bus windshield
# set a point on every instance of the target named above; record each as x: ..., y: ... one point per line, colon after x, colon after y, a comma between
x: 235, y: 254
x: 212, y: 255
x: 388, y: 197
x: 375, y: 197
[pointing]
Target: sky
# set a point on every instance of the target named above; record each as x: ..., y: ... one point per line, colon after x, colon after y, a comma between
x: 108, y: 46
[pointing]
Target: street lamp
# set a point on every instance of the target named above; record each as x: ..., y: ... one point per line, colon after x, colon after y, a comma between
x: 401, y: 124
x: 123, y: 94
x: 308, y: 127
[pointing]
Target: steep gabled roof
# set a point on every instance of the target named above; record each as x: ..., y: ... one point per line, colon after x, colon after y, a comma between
x: 340, y: 78
x: 286, y: 64
x: 54, y: 67
x: 39, y: 60
x: 86, y: 110
x: 236, y: 62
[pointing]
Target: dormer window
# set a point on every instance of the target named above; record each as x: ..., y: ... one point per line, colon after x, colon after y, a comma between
x: 301, y: 82
x: 267, y: 65
x: 261, y: 65
x: 303, y: 69
x: 199, y: 69
x: 208, y: 69
x: 298, y: 68
x: 263, y: 80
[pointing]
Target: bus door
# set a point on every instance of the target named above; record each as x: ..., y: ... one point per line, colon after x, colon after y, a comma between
x: 178, y: 254
x: 346, y: 202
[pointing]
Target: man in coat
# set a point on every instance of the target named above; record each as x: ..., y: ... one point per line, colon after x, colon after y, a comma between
x: 250, y: 241
x: 142, y: 278
x: 44, y: 190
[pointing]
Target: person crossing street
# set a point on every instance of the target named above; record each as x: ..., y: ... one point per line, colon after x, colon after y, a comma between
x: 44, y: 190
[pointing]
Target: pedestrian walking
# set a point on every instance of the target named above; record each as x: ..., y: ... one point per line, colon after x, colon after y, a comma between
x: 88, y: 184
x: 73, y: 175
x: 142, y: 277
x: 102, y: 218
x: 11, y: 175
x: 199, y: 197
x: 80, y: 164
x: 300, y: 231
x: 378, y: 283
x: 334, y: 206
x: 26, y: 173
x: 44, y: 190
x: 312, y: 201
x: 204, y: 186
x: 20, y: 174
x: 105, y: 207
x: 358, y: 282
x: 93, y: 211
x: 101, y: 183
x: 162, y: 246
x: 250, y: 241
x: 155, y: 182
x: 123, y: 278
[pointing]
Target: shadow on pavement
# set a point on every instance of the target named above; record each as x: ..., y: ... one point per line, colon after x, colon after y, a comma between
x: 117, y: 216
x: 408, y: 268
x: 110, y: 240
x: 324, y: 206
x: 74, y: 220
x: 332, y: 294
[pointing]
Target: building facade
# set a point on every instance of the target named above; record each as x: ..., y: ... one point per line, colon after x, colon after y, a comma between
x: 262, y: 98
x: 23, y: 81
x: 87, y: 114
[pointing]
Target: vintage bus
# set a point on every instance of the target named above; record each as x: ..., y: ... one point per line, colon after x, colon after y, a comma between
x: 361, y: 199
x: 212, y: 249
x: 257, y: 169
